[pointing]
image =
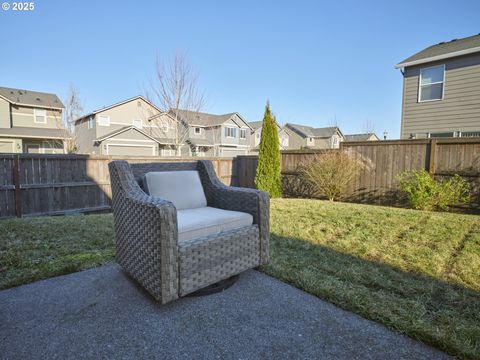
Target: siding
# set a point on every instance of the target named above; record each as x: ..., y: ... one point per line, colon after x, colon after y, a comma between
x: 23, y: 116
x: 460, y: 108
x: 4, y: 114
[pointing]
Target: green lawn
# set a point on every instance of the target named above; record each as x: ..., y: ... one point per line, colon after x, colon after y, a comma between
x: 416, y: 272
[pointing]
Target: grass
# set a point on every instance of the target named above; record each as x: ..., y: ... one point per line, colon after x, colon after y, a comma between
x: 38, y: 248
x: 415, y: 272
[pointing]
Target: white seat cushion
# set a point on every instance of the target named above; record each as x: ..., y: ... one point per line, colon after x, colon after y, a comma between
x: 183, y: 188
x: 195, y: 223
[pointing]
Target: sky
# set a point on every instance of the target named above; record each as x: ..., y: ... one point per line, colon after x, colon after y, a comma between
x: 319, y: 63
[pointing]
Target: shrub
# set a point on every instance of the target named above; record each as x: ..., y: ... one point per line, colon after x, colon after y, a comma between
x: 426, y: 193
x: 330, y: 173
x: 268, y: 174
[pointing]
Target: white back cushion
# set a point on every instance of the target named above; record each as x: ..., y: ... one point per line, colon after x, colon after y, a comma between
x: 183, y: 188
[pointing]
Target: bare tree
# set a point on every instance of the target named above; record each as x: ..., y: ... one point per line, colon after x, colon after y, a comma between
x: 73, y: 110
x: 368, y: 126
x: 175, y: 88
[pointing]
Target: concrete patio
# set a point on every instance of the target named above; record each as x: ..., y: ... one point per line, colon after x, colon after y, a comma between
x: 102, y: 314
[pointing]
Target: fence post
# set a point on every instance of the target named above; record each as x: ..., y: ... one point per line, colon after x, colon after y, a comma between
x: 16, y: 182
x: 432, y: 162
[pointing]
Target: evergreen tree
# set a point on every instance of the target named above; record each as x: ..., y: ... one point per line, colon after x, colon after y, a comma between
x: 268, y: 177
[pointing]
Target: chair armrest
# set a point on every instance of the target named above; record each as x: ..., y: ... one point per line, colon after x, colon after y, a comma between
x: 251, y: 201
x: 146, y: 235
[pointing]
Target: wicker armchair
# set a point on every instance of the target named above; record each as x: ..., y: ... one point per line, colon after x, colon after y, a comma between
x: 147, y: 233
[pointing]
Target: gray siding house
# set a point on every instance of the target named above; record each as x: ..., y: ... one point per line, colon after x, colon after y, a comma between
x: 441, y: 90
x: 31, y: 122
x: 361, y: 137
x: 205, y: 134
x: 134, y: 127
x: 283, y: 136
x: 306, y: 137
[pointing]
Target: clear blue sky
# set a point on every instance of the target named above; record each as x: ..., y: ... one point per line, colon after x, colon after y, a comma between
x: 316, y: 61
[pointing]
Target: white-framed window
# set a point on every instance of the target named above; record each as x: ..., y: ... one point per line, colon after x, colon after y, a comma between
x: 335, y: 141
x: 230, y: 132
x: 197, y: 131
x: 243, y: 133
x: 90, y: 122
x: 40, y: 116
x: 164, y: 125
x: 431, y: 83
x: 137, y: 123
x: 258, y: 135
x: 284, y: 141
x: 103, y: 120
x: 310, y: 140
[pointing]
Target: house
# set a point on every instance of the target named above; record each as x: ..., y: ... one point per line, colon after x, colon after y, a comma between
x: 283, y: 136
x: 306, y: 137
x: 133, y: 127
x: 361, y: 137
x: 31, y: 122
x: 441, y: 90
x: 205, y: 134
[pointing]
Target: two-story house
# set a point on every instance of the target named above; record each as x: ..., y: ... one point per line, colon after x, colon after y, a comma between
x: 31, y: 122
x: 441, y: 90
x: 283, y: 136
x: 134, y: 127
x: 205, y: 134
x: 306, y: 137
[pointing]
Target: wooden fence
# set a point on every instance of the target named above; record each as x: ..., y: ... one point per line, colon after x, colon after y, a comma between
x: 32, y: 185
x: 383, y: 162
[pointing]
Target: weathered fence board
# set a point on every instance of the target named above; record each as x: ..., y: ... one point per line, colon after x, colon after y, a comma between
x: 383, y: 162
x: 32, y: 185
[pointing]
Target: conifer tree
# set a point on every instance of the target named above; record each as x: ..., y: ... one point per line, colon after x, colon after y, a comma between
x: 268, y: 176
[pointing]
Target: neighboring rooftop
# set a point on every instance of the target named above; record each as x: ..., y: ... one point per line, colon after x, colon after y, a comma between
x: 308, y: 131
x: 361, y: 137
x: 444, y: 50
x: 256, y: 124
x: 31, y: 98
x: 203, y: 119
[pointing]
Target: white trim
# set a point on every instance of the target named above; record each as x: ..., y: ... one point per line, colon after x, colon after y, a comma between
x: 141, y: 123
x: 126, y: 129
x: 226, y: 132
x: 31, y: 105
x: 433, y: 83
x: 438, y: 57
x: 136, y: 140
x: 62, y: 149
x: 130, y: 145
x: 33, y: 115
x: 240, y: 134
x: 26, y: 144
x: 35, y: 110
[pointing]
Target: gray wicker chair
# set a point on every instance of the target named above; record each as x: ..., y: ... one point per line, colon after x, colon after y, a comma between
x: 146, y: 232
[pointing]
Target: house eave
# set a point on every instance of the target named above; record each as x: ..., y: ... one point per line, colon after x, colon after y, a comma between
x: 438, y: 57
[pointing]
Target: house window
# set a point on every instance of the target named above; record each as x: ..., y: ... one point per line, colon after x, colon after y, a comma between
x: 164, y: 125
x: 198, y: 131
x: 441, y: 134
x: 231, y: 132
x: 258, y: 136
x: 40, y: 116
x: 335, y: 142
x: 243, y: 133
x: 284, y: 141
x: 90, y: 122
x: 103, y: 120
x: 137, y: 123
x: 431, y: 83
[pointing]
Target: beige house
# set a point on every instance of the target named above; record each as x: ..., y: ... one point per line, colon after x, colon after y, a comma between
x: 283, y: 136
x: 134, y: 127
x: 31, y: 122
x: 441, y: 90
x: 306, y: 137
x: 203, y: 134
x: 361, y: 137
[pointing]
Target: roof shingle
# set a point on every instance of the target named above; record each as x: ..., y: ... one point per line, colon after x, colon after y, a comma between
x: 31, y: 98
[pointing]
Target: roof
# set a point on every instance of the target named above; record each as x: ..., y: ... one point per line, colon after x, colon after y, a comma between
x: 255, y: 124
x: 31, y: 98
x: 444, y: 50
x: 195, y: 118
x: 118, y: 104
x: 308, y: 131
x: 34, y: 133
x: 199, y: 142
x: 360, y: 137
x: 131, y: 127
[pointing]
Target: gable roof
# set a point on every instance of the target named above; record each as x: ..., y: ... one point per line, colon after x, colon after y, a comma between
x: 444, y: 50
x: 360, y: 137
x: 138, y: 97
x: 308, y: 131
x: 31, y: 98
x: 195, y: 118
x: 130, y: 127
x: 255, y: 125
